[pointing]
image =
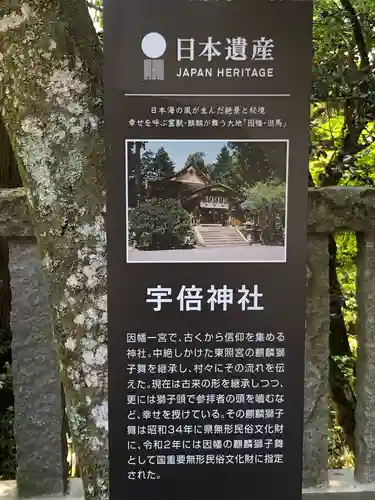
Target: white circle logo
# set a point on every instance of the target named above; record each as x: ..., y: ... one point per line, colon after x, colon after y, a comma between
x: 153, y: 45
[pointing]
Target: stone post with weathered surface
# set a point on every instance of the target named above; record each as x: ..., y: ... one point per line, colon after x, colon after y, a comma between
x: 365, y: 380
x: 41, y: 464
x: 315, y: 466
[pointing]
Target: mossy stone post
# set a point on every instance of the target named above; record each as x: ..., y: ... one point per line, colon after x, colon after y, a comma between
x: 365, y: 411
x: 315, y: 470
x: 41, y: 464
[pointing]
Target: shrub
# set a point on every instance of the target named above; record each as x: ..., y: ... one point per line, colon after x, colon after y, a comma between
x: 160, y: 225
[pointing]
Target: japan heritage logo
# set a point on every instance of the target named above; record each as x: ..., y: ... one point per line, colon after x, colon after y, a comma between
x: 153, y: 47
x: 240, y: 57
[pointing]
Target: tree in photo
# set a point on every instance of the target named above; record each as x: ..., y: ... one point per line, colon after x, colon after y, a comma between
x: 149, y: 170
x: 162, y: 164
x: 223, y: 165
x: 197, y: 160
x: 229, y: 170
x: 265, y: 205
x: 135, y: 175
x: 258, y: 161
x: 144, y: 165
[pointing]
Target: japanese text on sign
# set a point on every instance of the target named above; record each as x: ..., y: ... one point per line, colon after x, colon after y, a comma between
x: 191, y: 298
x: 235, y: 49
x: 165, y: 427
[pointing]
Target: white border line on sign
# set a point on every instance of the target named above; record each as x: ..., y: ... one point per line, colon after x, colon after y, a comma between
x: 207, y: 95
x: 209, y: 261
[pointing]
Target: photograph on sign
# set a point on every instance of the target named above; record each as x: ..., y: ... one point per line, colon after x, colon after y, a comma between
x: 206, y: 200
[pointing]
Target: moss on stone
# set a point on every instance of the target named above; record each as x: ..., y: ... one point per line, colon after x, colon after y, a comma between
x: 335, y: 209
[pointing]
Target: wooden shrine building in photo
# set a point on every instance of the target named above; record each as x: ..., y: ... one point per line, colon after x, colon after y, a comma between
x: 207, y: 201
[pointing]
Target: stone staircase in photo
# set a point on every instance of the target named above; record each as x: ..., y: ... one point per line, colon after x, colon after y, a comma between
x: 216, y: 235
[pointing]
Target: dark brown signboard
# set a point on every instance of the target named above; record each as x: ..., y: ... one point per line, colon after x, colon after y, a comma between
x: 207, y: 127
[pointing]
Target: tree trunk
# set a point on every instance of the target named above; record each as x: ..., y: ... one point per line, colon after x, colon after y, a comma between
x: 51, y: 94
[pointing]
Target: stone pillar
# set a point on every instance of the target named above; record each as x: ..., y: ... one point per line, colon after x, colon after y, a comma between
x: 41, y: 466
x: 365, y: 411
x: 315, y: 453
